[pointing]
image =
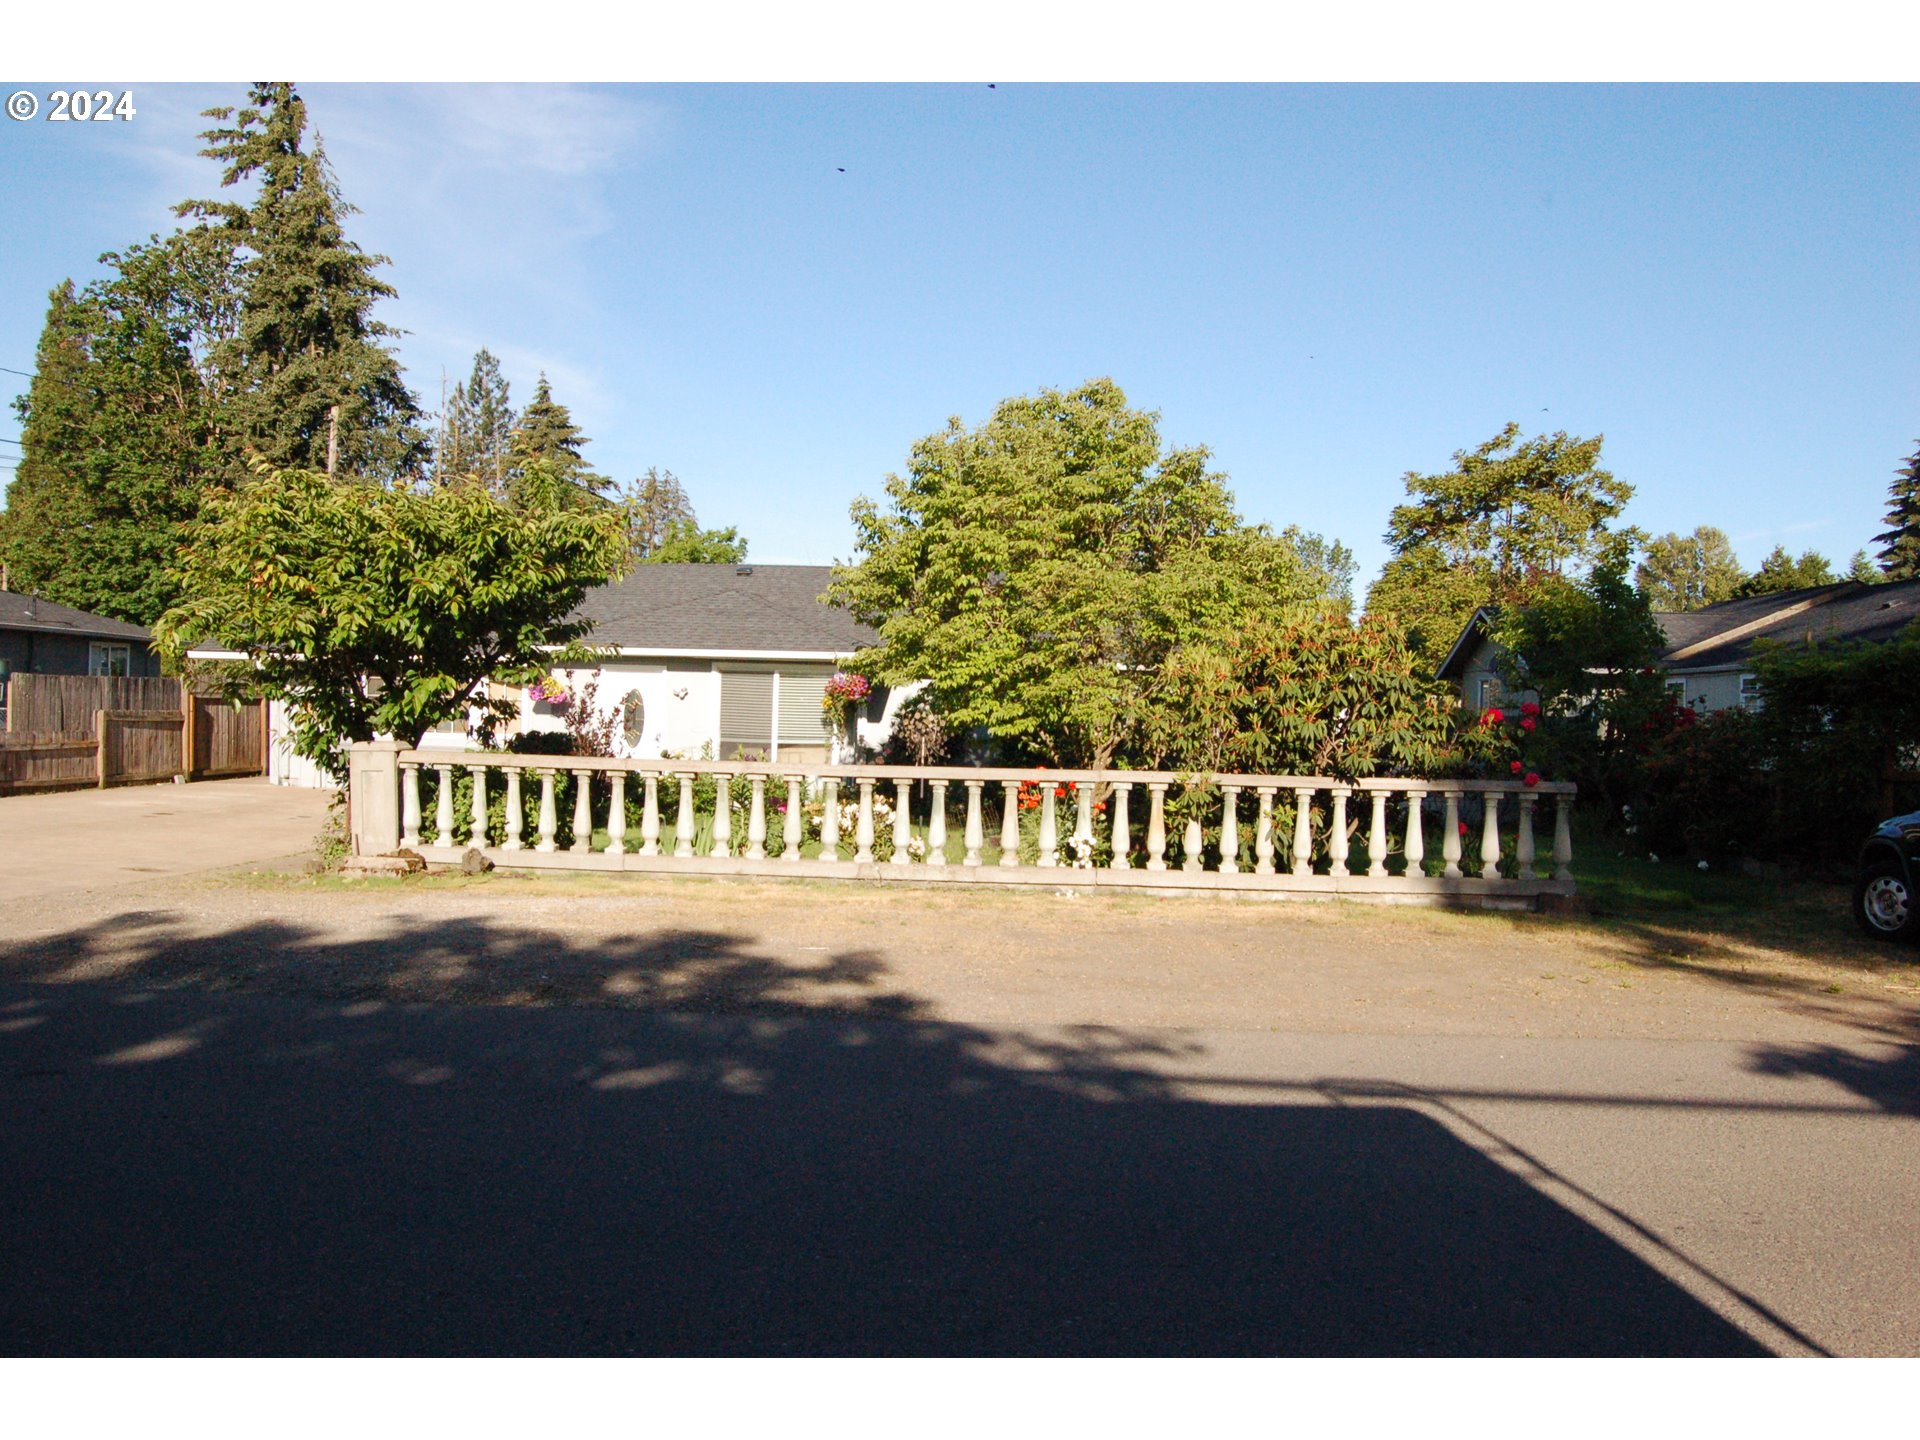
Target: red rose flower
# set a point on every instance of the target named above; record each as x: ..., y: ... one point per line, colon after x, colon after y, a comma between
x: 1533, y: 778
x: 1492, y: 717
x: 1517, y: 767
x: 1529, y: 708
x: 1463, y: 827
x: 1526, y: 724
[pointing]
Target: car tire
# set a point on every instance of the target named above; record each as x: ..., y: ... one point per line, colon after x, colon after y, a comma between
x: 1884, y: 902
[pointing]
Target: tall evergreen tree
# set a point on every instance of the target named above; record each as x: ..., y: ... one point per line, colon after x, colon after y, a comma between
x: 477, y: 429
x: 1685, y: 572
x: 1862, y: 571
x: 121, y: 430
x: 307, y: 370
x: 543, y: 454
x: 1900, y: 543
x: 1781, y: 572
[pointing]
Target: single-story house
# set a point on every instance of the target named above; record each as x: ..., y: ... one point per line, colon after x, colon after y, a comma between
x: 38, y: 637
x: 722, y: 660
x: 1708, y: 656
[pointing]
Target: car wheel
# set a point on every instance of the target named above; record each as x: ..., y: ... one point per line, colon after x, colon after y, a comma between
x: 1883, y: 903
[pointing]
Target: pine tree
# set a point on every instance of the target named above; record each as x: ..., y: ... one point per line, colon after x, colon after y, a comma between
x: 479, y: 425
x: 121, y: 430
x: 1900, y: 543
x: 1780, y: 572
x: 1862, y: 571
x: 543, y: 455
x: 307, y: 370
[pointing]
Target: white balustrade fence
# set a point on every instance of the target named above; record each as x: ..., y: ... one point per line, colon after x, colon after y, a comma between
x: 1498, y: 842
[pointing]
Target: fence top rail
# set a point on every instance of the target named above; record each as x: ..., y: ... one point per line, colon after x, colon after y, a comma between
x: 171, y: 717
x: 500, y: 760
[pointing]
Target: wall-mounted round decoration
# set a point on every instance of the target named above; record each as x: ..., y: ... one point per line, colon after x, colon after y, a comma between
x: 633, y: 715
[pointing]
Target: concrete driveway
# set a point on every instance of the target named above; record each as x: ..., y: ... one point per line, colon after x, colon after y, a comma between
x: 76, y: 840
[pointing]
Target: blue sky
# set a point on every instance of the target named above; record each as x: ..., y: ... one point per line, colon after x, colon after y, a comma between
x: 1328, y: 285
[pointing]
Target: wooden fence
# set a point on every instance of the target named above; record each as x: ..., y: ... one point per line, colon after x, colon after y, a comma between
x: 113, y: 730
x: 66, y: 704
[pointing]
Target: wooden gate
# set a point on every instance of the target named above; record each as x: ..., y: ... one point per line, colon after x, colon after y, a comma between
x: 226, y: 739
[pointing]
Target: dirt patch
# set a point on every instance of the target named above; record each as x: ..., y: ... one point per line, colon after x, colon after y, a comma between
x: 979, y: 956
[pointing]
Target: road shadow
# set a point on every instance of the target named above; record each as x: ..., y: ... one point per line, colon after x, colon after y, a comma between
x: 724, y: 1154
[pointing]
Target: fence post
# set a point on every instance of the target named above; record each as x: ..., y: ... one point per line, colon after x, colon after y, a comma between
x: 188, y: 711
x: 100, y: 748
x: 373, y: 796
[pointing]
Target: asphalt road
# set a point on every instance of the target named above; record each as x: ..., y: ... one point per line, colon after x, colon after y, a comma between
x: 262, y: 1174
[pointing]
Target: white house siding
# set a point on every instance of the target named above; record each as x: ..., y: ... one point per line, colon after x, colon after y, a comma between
x: 1708, y: 690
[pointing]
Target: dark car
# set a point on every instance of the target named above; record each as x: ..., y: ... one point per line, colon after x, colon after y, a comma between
x: 1883, y: 895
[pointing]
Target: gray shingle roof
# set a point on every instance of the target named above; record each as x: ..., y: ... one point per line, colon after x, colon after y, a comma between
x: 28, y: 612
x: 1846, y: 611
x: 722, y: 607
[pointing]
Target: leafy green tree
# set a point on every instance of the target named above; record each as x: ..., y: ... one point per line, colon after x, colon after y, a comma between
x: 546, y: 436
x: 377, y: 610
x: 308, y: 373
x: 1685, y: 572
x: 1037, y: 570
x: 121, y: 430
x: 1509, y: 514
x: 1900, y: 542
x: 477, y: 429
x: 1781, y: 572
x: 687, y: 544
x: 1587, y: 648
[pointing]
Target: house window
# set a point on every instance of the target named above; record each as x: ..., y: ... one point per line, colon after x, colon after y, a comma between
x: 104, y: 659
x: 1750, y: 692
x: 1489, y: 692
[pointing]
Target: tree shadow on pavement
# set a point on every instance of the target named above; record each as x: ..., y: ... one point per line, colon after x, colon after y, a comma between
x: 709, y: 1151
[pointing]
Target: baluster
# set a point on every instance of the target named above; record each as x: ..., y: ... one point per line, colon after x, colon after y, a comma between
x: 1416, y: 834
x: 684, y: 825
x: 512, y: 841
x: 1490, y: 836
x: 582, y: 812
x: 478, y: 818
x: 548, y: 821
x: 1083, y: 821
x: 830, y: 819
x: 617, y: 812
x: 1563, y: 837
x: 1263, y: 833
x: 757, y: 818
x: 1377, y: 836
x: 1048, y: 838
x: 1302, y: 831
x: 1523, y: 843
x: 1192, y: 843
x: 902, y: 821
x: 1450, y: 839
x: 976, y: 835
x: 1010, y: 825
x: 791, y: 831
x: 409, y: 806
x: 937, y: 825
x: 650, y: 817
x: 443, y: 807
x: 1122, y: 841
x: 863, y: 825
x: 722, y: 846
x: 1156, y: 825
x: 1230, y: 830
x: 1337, y: 833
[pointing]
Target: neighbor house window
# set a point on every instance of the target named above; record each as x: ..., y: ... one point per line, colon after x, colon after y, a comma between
x: 1749, y: 692
x: 103, y: 659
x: 1489, y: 692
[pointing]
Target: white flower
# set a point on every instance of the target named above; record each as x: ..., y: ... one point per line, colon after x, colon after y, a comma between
x: 1703, y: 864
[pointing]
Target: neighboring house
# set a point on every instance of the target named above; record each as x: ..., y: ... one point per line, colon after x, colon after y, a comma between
x: 38, y: 637
x: 727, y: 660
x: 1708, y: 656
x: 731, y: 658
